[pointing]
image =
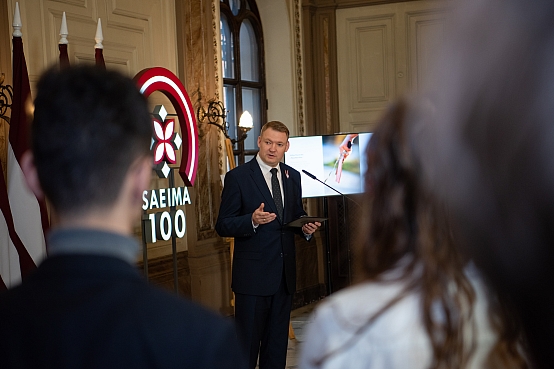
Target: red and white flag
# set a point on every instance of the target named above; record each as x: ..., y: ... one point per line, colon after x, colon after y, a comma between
x: 24, y: 263
x: 30, y: 217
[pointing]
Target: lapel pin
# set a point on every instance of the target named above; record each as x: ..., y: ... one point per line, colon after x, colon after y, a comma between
x: 286, y: 173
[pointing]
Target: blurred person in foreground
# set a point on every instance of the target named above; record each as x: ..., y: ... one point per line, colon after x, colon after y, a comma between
x: 418, y: 303
x: 87, y: 306
x: 492, y: 155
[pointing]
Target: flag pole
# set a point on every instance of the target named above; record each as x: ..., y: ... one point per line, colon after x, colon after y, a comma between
x: 30, y: 216
x: 98, y: 48
x: 16, y: 24
x: 62, y: 44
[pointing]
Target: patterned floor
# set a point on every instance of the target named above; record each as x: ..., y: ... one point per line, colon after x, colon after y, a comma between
x: 300, y: 318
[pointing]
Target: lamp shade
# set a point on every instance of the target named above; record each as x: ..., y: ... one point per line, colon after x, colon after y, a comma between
x: 245, y: 120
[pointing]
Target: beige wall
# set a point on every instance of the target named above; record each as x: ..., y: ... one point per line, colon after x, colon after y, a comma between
x: 279, y: 67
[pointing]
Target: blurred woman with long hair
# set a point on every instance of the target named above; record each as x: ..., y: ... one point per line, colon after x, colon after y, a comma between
x: 418, y: 302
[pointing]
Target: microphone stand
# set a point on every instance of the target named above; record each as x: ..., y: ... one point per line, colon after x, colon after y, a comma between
x: 334, y: 189
x: 327, y: 245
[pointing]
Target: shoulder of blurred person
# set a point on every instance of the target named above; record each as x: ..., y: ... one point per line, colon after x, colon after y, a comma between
x: 377, y: 325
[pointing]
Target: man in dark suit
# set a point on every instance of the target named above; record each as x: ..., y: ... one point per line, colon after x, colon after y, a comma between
x: 258, y: 199
x: 87, y: 306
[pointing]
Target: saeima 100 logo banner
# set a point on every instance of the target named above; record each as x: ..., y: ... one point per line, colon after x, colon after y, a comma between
x: 166, y: 143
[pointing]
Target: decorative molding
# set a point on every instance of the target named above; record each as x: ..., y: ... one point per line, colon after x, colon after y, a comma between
x: 338, y: 4
x: 361, y: 99
x: 195, y: 26
x: 418, y: 23
x: 299, y: 67
x: 131, y: 14
x: 115, y: 53
x: 368, y: 67
x: 79, y: 3
x: 218, y: 82
x: 327, y: 75
x: 3, y: 147
x: 216, y: 46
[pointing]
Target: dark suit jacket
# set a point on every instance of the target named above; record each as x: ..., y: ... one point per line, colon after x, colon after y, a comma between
x: 82, y: 311
x: 260, y: 255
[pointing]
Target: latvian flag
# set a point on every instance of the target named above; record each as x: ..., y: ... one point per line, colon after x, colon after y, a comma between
x: 28, y: 222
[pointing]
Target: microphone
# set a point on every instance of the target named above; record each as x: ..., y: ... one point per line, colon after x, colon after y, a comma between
x: 311, y: 175
x: 334, y: 189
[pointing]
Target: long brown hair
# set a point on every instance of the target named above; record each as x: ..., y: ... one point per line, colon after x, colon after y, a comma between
x: 405, y: 219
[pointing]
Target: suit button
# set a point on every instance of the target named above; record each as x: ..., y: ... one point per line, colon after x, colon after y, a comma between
x: 281, y: 254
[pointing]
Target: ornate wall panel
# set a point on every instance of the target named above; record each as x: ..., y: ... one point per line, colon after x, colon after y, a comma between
x: 132, y: 31
x: 320, y: 50
x: 296, y: 16
x: 425, y: 34
x: 208, y: 254
x: 367, y: 67
x: 382, y: 52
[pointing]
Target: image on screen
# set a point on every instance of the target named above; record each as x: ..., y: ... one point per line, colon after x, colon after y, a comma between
x: 336, y: 160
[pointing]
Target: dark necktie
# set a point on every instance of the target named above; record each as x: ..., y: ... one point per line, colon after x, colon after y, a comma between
x: 276, y: 190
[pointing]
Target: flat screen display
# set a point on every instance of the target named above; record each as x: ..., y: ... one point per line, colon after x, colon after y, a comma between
x: 325, y: 158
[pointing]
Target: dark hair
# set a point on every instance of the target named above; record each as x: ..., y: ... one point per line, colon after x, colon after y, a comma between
x: 276, y: 126
x: 405, y: 220
x: 89, y: 126
x: 491, y: 156
x: 408, y: 229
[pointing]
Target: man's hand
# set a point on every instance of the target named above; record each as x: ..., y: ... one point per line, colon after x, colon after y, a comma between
x: 259, y: 216
x: 310, y: 228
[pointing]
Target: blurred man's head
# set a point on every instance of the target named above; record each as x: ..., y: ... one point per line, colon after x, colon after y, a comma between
x: 90, y: 127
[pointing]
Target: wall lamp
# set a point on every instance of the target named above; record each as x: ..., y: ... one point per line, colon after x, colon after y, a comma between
x: 214, y: 113
x: 245, y: 124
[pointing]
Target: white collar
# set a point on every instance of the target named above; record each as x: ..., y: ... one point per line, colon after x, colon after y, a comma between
x: 266, y: 168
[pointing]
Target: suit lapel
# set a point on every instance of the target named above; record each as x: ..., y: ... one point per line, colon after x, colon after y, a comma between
x: 259, y: 180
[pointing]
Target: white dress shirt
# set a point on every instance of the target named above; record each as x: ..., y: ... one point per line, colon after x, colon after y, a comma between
x: 266, y: 171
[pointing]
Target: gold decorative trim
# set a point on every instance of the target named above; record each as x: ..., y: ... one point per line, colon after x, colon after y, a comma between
x: 299, y: 69
x: 327, y: 75
x: 218, y: 82
x: 216, y: 46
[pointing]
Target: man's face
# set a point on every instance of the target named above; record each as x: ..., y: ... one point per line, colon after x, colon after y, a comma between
x: 273, y: 145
